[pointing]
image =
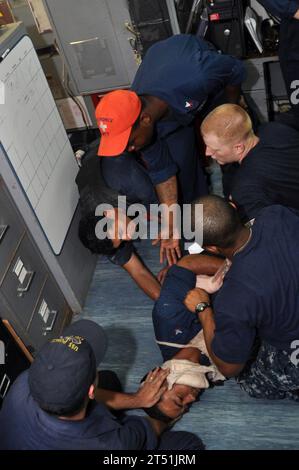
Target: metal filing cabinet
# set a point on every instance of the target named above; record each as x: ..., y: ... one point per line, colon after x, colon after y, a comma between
x: 24, y: 280
x: 14, y: 359
x: 49, y: 315
x: 11, y: 230
x: 73, y: 267
x: 30, y: 299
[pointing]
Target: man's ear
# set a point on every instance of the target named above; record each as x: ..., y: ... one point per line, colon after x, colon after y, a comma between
x: 212, y: 249
x: 239, y: 148
x: 232, y: 203
x: 145, y: 119
x: 91, y: 392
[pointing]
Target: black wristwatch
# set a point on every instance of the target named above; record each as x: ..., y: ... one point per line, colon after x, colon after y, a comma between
x: 202, y: 306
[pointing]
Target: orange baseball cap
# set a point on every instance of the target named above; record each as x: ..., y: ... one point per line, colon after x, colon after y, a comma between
x: 116, y: 114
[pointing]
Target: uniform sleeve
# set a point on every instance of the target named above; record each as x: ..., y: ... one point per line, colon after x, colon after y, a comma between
x: 234, y: 312
x: 159, y: 163
x: 123, y: 254
x: 178, y: 282
x: 137, y: 433
x: 223, y: 70
x: 250, y: 199
x: 233, y: 341
x: 282, y: 8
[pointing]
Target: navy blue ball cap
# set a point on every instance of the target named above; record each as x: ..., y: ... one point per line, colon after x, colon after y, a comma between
x: 65, y: 367
x: 93, y: 333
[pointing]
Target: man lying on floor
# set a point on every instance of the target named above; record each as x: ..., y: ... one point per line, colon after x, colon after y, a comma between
x: 179, y: 335
x: 191, y: 372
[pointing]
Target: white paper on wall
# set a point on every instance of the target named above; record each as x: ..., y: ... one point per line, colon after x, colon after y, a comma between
x: 36, y: 144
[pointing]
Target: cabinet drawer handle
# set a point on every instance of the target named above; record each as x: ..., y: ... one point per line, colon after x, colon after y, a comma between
x: 51, y: 322
x: 4, y: 385
x: 3, y: 230
x: 25, y: 286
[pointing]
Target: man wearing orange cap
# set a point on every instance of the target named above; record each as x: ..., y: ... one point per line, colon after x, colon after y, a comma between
x: 176, y: 80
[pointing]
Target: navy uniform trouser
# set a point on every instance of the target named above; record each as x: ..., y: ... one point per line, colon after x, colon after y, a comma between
x: 274, y: 374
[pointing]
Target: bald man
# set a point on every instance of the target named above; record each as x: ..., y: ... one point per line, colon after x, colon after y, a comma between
x: 258, y: 299
x: 266, y: 165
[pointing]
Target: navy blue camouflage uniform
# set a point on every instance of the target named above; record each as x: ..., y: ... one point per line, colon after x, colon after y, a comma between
x: 274, y: 374
x: 259, y: 299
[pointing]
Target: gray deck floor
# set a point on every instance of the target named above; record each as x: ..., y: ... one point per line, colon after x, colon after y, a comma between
x: 225, y: 417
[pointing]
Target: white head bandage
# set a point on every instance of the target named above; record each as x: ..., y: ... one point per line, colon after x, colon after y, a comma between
x: 185, y: 372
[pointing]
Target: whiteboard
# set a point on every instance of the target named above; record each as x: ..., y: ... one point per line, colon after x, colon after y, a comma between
x: 36, y: 143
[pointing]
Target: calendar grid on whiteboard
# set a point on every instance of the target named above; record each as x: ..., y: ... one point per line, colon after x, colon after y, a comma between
x: 36, y: 143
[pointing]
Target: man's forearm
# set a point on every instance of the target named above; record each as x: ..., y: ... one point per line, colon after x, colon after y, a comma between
x: 147, y: 282
x: 116, y: 400
x: 206, y: 319
x: 201, y: 264
x: 143, y: 277
x: 168, y: 191
x: 148, y: 394
x: 296, y: 16
x: 170, y: 227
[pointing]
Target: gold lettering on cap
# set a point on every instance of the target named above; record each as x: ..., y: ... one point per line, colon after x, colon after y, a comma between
x: 73, y: 342
x: 73, y: 347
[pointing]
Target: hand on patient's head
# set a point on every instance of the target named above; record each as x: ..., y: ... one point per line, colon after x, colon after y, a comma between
x: 182, y: 388
x: 152, y: 388
x: 175, y: 398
